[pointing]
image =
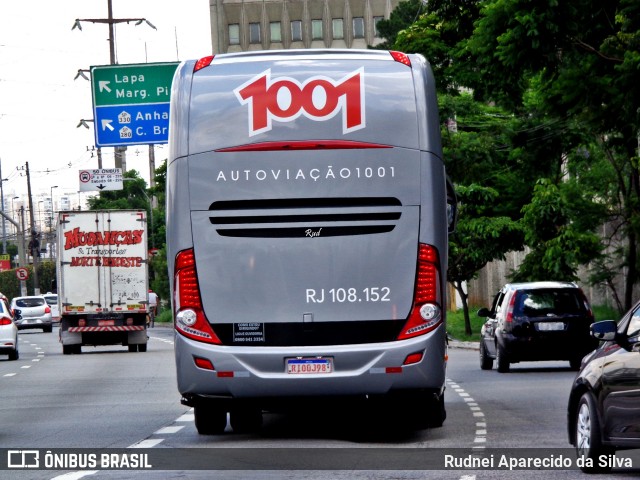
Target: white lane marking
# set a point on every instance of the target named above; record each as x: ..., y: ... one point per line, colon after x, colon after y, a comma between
x: 10, y: 374
x: 476, y: 411
x: 187, y: 417
x: 148, y: 443
x: 75, y: 475
x: 169, y: 430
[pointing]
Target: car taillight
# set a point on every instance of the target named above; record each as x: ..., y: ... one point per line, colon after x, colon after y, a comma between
x: 190, y: 318
x: 512, y: 302
x: 426, y: 314
x: 5, y: 321
x: 47, y: 309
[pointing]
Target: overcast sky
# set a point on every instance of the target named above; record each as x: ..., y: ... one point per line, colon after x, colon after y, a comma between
x: 40, y: 102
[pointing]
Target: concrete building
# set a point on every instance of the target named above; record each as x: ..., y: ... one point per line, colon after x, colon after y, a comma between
x: 243, y: 25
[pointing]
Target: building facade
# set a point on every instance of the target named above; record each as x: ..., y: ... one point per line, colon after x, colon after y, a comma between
x: 243, y: 25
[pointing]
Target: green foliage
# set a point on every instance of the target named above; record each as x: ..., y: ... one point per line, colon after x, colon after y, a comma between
x: 10, y: 285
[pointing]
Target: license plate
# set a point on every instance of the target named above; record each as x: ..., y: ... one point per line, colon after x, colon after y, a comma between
x: 550, y: 326
x: 106, y: 323
x: 309, y: 366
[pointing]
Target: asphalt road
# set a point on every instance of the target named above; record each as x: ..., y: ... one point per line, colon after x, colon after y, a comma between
x: 109, y: 398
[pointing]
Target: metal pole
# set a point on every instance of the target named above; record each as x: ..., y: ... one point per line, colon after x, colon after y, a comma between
x: 36, y: 281
x: 4, y: 228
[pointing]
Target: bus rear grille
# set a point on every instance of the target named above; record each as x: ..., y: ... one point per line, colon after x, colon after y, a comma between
x: 293, y: 218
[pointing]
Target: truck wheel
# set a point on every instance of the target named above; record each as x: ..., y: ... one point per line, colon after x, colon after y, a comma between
x: 210, y: 419
x: 77, y: 349
x: 142, y: 347
x: 67, y: 349
x: 133, y: 348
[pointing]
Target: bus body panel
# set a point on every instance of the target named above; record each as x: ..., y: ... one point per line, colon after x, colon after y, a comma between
x: 305, y: 211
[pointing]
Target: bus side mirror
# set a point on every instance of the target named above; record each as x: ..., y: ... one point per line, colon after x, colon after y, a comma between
x: 452, y: 207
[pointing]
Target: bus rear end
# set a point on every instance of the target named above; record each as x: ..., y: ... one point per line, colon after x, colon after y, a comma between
x: 307, y: 234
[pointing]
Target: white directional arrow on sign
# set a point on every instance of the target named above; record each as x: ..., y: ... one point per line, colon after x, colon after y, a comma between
x: 106, y: 123
x: 104, y: 85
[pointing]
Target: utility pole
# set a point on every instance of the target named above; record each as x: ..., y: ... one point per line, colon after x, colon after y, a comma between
x: 119, y: 152
x: 35, y: 243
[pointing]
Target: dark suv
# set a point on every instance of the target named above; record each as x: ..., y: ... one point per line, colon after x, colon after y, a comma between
x: 536, y: 321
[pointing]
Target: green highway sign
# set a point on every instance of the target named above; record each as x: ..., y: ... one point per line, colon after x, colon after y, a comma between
x: 131, y: 103
x: 132, y: 84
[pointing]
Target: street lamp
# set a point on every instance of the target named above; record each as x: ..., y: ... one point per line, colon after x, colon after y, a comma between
x: 51, y: 198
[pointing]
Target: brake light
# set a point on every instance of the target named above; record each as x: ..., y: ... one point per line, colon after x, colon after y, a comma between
x: 47, y: 309
x: 401, y: 58
x: 190, y: 318
x: 426, y: 314
x: 5, y: 321
x: 202, y: 63
x: 512, y: 302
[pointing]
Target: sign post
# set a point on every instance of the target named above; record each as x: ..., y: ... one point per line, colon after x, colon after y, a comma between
x: 22, y: 274
x: 131, y: 103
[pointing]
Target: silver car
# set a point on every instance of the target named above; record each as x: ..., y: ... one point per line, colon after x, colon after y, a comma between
x: 8, y: 332
x: 32, y: 312
x: 52, y: 300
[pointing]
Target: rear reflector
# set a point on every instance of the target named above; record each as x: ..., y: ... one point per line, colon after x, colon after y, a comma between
x: 413, y: 358
x: 203, y: 363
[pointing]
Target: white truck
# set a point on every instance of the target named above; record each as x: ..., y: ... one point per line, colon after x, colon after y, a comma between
x: 102, y: 279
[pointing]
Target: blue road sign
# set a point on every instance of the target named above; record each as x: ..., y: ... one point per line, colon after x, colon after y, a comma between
x: 119, y: 125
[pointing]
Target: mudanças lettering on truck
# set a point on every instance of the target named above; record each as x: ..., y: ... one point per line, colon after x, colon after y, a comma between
x: 308, y: 212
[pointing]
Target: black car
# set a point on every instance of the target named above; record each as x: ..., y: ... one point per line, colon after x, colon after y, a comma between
x: 603, y: 414
x: 535, y: 321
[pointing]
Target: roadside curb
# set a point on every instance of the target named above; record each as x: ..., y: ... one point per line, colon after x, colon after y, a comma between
x: 463, y: 345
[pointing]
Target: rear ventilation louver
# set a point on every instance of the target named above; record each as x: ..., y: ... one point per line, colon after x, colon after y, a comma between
x: 295, y: 218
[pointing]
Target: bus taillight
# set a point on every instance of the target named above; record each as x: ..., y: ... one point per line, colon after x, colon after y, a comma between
x: 190, y: 319
x: 426, y: 313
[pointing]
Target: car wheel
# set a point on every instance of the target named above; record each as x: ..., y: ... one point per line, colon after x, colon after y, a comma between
x: 486, y: 362
x: 588, y: 436
x: 210, y: 419
x: 502, y: 360
x: 15, y: 355
x: 48, y: 329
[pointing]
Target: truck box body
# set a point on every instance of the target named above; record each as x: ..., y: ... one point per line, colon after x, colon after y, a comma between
x: 102, y: 278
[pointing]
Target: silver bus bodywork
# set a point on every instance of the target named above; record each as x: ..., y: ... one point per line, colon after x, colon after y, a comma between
x: 306, y: 216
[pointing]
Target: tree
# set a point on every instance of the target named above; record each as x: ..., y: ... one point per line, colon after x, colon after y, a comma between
x: 479, y: 238
x: 581, y: 57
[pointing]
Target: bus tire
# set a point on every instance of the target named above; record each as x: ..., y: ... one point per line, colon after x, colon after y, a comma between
x: 209, y: 418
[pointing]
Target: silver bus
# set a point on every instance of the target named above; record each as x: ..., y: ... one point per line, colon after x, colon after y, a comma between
x: 307, y: 221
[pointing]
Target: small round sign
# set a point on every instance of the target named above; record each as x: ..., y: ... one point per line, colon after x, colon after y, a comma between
x: 22, y: 273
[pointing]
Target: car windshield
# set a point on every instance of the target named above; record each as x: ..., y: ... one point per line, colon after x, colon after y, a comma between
x: 51, y: 300
x: 537, y: 303
x: 29, y: 302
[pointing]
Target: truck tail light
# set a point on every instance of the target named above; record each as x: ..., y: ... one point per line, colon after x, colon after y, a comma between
x: 426, y: 314
x: 188, y: 312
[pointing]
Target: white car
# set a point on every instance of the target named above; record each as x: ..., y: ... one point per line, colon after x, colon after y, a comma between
x: 52, y: 301
x: 8, y: 332
x: 32, y: 312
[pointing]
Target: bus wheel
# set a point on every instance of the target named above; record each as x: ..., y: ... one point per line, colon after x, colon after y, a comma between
x: 245, y: 420
x: 210, y: 419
